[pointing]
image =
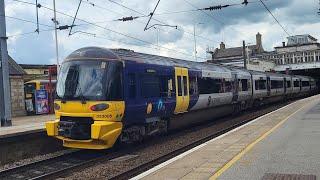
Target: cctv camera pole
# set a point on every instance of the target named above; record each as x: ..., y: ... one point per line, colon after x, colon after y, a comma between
x: 5, y: 100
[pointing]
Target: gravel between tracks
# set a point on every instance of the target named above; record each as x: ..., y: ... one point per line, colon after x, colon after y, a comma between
x: 161, y: 146
x: 35, y: 159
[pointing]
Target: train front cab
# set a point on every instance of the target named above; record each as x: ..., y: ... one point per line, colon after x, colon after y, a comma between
x: 89, y: 104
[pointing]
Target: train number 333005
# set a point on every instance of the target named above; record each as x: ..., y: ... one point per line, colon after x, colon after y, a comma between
x: 104, y: 116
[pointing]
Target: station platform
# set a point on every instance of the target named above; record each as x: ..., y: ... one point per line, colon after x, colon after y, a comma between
x: 283, y: 144
x: 25, y: 124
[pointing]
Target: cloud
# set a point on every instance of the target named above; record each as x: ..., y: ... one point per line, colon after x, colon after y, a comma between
x: 230, y: 25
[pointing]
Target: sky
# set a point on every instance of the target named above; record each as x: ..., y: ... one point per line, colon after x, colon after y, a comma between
x: 96, y: 26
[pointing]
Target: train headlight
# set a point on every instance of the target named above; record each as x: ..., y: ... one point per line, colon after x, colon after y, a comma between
x: 99, y: 107
x: 56, y: 106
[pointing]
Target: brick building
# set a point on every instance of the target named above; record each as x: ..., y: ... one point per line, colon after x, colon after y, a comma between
x: 234, y: 56
x: 36, y: 71
x: 16, y: 74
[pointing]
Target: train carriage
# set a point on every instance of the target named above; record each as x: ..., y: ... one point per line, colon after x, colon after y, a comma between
x: 108, y: 95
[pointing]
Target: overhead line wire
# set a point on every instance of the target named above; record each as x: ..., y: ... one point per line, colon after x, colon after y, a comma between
x: 217, y: 19
x: 123, y: 42
x: 162, y: 22
x: 31, y: 32
x: 75, y: 16
x: 110, y: 30
x: 193, y: 10
x: 176, y: 35
x: 280, y: 24
x: 275, y: 18
x: 24, y: 20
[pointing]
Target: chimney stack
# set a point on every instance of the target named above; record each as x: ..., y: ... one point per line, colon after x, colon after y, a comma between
x: 222, y: 45
x: 259, y: 47
x: 283, y: 44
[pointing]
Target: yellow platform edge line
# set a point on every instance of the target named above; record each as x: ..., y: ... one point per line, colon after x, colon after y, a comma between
x: 243, y: 152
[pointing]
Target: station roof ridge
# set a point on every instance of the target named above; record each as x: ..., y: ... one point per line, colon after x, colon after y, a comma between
x: 14, y: 68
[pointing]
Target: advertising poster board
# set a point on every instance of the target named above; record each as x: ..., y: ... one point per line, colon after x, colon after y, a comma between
x: 41, y: 100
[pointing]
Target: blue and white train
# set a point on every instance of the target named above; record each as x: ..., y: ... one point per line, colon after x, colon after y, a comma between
x: 108, y: 95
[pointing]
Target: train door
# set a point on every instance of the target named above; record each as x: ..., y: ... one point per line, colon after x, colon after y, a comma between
x: 182, y: 89
x: 268, y: 86
x: 235, y: 89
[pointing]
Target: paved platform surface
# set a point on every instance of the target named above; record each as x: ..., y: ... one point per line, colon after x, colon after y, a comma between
x: 25, y: 124
x: 285, y: 141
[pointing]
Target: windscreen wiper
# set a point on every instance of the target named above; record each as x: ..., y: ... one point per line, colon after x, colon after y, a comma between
x: 82, y: 98
x: 63, y: 99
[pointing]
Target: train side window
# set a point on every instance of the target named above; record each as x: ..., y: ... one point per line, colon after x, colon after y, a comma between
x: 150, y: 86
x: 281, y: 84
x: 179, y: 86
x: 132, y: 85
x: 288, y: 84
x: 244, y: 83
x: 273, y: 84
x: 164, y: 86
x: 305, y: 83
x: 256, y: 84
x: 260, y: 84
x: 185, y: 88
x: 210, y: 85
x: 193, y: 85
x: 296, y: 83
x: 276, y: 84
x: 227, y: 85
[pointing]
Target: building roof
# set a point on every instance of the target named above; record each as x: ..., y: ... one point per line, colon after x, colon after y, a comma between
x: 295, y: 45
x: 231, y: 52
x: 303, y: 35
x: 14, y: 68
x: 35, y: 66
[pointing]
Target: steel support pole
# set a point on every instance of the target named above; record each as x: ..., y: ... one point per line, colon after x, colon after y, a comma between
x: 244, y: 54
x: 5, y: 97
x: 195, y: 42
x: 56, y: 35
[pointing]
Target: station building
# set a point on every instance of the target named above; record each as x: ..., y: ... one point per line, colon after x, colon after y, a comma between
x: 16, y: 74
x: 36, y: 71
x: 234, y: 56
x: 300, y: 55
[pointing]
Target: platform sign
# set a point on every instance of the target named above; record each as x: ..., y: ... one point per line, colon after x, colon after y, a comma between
x: 41, y: 100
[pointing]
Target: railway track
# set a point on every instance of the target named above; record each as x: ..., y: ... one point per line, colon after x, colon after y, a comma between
x: 69, y: 163
x: 57, y: 166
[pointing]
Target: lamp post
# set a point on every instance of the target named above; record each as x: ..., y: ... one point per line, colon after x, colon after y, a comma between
x: 195, y: 42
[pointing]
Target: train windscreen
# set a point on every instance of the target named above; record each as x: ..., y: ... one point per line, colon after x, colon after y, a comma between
x: 90, y: 80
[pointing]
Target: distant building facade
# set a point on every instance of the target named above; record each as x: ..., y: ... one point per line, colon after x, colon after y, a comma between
x: 36, y: 71
x: 234, y: 56
x: 300, y: 53
x: 16, y: 74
